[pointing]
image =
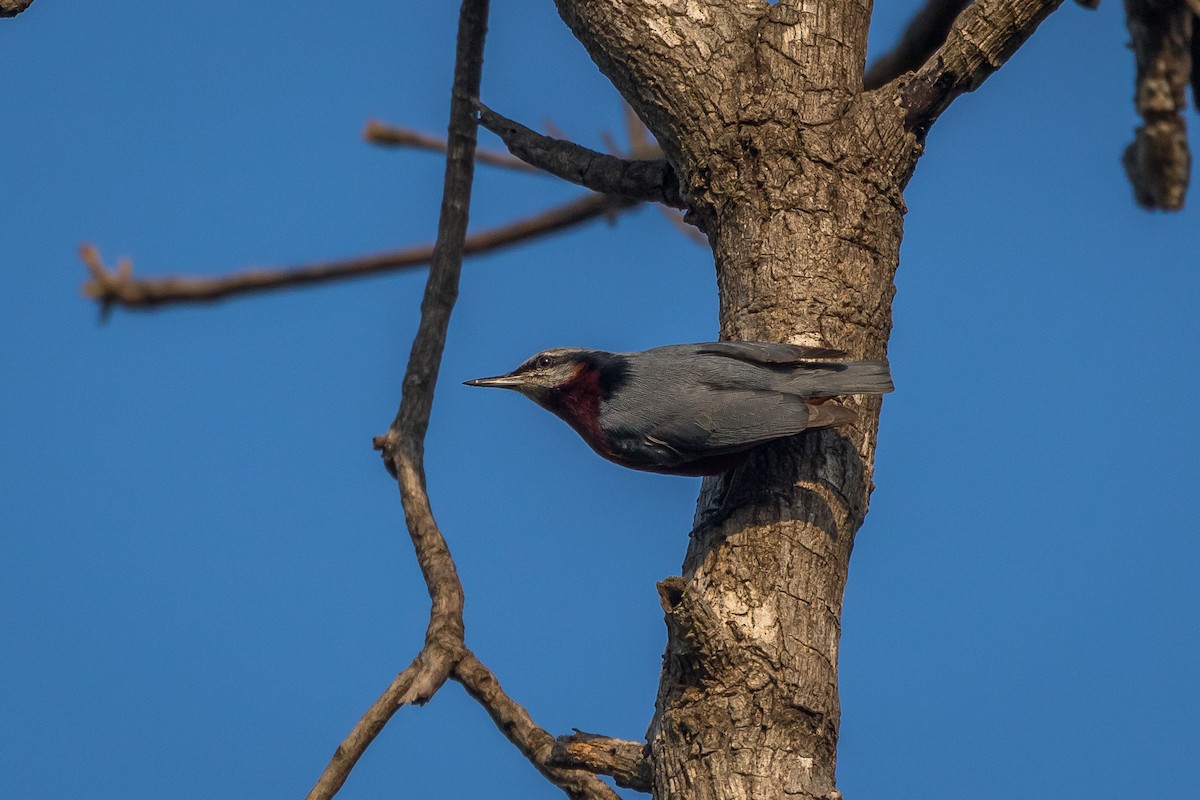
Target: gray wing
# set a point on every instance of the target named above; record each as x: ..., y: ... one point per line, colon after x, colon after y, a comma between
x: 795, y: 376
x: 682, y: 403
x: 767, y: 352
x: 739, y: 421
x: 732, y: 420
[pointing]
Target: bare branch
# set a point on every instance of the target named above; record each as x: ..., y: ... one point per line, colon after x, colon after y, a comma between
x: 121, y: 288
x: 652, y: 180
x: 925, y: 33
x: 396, y: 136
x: 1158, y: 161
x: 404, y: 444
x: 421, y: 678
x: 981, y: 39
x: 516, y: 724
x: 10, y: 8
x: 625, y: 761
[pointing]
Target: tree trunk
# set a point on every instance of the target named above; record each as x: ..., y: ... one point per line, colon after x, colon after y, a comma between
x: 796, y: 176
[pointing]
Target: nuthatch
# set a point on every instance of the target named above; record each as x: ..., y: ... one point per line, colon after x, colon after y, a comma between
x: 692, y: 409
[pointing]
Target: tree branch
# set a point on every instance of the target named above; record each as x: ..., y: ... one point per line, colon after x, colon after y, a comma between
x: 397, y: 136
x: 981, y: 39
x: 652, y: 180
x: 444, y: 652
x: 1158, y: 162
x: 520, y: 729
x: 926, y: 32
x: 625, y: 761
x: 10, y: 8
x: 404, y: 444
x: 120, y: 288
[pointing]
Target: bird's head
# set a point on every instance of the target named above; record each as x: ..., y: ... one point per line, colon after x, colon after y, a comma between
x: 540, y: 375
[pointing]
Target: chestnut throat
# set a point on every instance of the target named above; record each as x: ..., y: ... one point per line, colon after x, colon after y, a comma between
x: 577, y: 400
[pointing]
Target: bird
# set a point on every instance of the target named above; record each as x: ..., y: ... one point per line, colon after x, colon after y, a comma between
x: 692, y: 409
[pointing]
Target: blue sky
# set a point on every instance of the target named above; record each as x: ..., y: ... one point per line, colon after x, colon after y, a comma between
x: 204, y: 577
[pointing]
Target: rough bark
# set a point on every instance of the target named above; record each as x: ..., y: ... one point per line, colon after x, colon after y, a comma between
x: 796, y: 176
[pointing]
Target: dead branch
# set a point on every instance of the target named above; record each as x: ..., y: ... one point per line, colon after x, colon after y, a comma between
x: 1158, y: 161
x: 625, y: 761
x: 979, y: 42
x: 925, y: 33
x: 652, y: 180
x: 397, y: 136
x: 520, y: 729
x: 120, y: 287
x: 444, y: 652
x: 404, y: 444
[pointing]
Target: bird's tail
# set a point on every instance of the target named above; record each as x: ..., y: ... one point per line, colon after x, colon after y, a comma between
x: 847, y: 377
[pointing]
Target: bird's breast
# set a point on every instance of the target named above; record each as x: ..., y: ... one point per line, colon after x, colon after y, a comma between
x: 577, y: 402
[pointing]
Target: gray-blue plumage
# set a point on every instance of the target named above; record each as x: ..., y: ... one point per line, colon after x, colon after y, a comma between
x: 693, y: 409
x: 683, y: 403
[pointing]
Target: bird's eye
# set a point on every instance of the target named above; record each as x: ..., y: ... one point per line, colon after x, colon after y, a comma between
x: 545, y: 361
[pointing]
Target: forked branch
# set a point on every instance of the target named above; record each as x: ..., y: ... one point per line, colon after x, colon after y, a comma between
x: 444, y: 652
x: 404, y: 444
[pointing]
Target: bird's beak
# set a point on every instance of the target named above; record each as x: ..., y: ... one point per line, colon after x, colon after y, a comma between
x: 498, y: 382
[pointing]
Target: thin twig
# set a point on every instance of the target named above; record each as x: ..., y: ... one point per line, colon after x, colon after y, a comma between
x: 397, y: 136
x: 404, y: 445
x: 520, y: 729
x: 642, y: 179
x: 925, y: 33
x: 121, y: 288
x: 981, y: 39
